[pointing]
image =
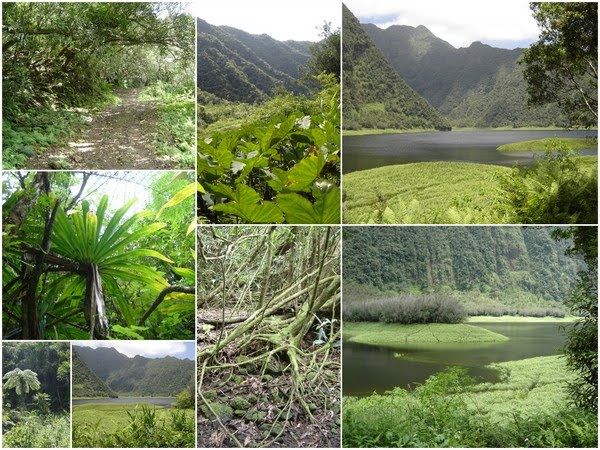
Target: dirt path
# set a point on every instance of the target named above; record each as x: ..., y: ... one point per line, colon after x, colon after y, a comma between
x: 119, y: 137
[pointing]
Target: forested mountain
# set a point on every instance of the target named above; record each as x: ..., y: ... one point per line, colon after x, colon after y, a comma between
x: 86, y: 383
x: 474, y: 86
x: 139, y: 375
x: 239, y: 66
x: 375, y: 96
x: 496, y: 261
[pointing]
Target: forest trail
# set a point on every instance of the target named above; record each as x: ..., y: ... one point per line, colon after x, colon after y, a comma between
x: 118, y: 137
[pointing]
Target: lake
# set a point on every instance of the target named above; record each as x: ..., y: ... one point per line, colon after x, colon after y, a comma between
x: 369, y: 368
x: 370, y: 151
x: 159, y: 401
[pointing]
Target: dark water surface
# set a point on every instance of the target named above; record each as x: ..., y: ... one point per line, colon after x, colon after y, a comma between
x: 370, y: 151
x: 159, y: 401
x: 369, y: 368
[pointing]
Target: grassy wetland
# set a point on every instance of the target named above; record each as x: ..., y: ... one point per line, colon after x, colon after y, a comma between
x: 460, y: 351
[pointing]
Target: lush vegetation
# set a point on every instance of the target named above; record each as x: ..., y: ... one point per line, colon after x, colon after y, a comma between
x: 476, y: 86
x: 268, y: 356
x: 562, y: 66
x: 401, y: 336
x: 375, y: 96
x: 528, y: 408
x: 241, y: 67
x: 137, y: 376
x: 274, y: 162
x: 79, y: 265
x: 61, y: 61
x: 542, y: 144
x: 559, y: 188
x: 389, y: 271
x: 139, y: 425
x: 35, y: 395
x: 86, y: 384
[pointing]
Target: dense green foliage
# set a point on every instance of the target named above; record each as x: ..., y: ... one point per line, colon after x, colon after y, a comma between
x: 75, y: 268
x: 60, y: 60
x: 406, y: 309
x: 562, y: 66
x: 86, y: 383
x: 138, y: 426
x: 241, y: 67
x: 559, y: 188
x: 375, y: 96
x: 138, y: 376
x: 581, y: 349
x: 475, y: 86
x: 35, y: 394
x: 492, y: 270
x: 283, y: 168
x: 526, y: 409
x: 542, y: 144
x: 414, y: 193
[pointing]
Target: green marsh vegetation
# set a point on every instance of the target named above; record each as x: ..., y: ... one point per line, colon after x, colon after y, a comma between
x: 65, y: 62
x: 543, y: 144
x: 140, y: 425
x: 272, y: 158
x: 548, y: 401
x: 83, y: 260
x: 269, y: 336
x: 36, y: 394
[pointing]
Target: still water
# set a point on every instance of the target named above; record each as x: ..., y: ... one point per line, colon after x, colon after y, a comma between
x: 159, y: 401
x: 369, y: 368
x: 370, y: 151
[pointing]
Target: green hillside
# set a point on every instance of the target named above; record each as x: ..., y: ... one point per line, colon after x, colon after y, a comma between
x: 139, y: 376
x: 374, y: 95
x: 476, y: 86
x: 242, y: 67
x: 508, y: 264
x: 86, y: 383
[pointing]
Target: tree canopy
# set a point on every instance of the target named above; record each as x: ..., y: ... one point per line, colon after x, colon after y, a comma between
x: 562, y: 66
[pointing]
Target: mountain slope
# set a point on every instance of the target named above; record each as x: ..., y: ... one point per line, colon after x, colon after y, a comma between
x: 474, y: 86
x: 496, y: 261
x: 375, y: 96
x: 242, y: 67
x: 86, y: 383
x: 138, y: 375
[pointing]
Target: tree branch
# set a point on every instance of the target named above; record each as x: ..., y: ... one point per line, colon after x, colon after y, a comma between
x: 166, y: 291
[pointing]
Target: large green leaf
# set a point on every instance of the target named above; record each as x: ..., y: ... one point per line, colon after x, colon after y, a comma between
x: 247, y: 206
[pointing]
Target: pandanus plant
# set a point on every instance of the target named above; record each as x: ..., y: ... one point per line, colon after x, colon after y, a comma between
x: 105, y: 251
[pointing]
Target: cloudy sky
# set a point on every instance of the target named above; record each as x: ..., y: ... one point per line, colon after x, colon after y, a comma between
x: 281, y: 19
x: 149, y: 349
x: 506, y: 24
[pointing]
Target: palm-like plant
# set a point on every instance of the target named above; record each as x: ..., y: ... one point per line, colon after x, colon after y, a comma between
x: 104, y: 253
x: 22, y: 381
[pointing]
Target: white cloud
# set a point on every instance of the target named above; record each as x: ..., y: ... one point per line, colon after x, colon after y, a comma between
x: 150, y: 349
x: 282, y: 20
x: 460, y: 22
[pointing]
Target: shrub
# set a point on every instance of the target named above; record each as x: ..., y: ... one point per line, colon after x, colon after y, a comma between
x: 406, y: 309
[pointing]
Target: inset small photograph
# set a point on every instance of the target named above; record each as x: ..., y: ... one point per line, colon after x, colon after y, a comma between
x: 134, y: 394
x: 97, y: 85
x: 480, y: 337
x: 269, y: 337
x: 460, y: 113
x: 98, y: 255
x: 36, y: 404
x: 268, y: 113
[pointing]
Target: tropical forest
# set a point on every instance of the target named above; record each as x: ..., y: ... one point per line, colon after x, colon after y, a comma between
x: 268, y: 127
x: 98, y: 255
x: 36, y: 399
x: 126, y: 396
x: 477, y: 134
x: 269, y: 336
x: 97, y: 85
x: 470, y: 337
